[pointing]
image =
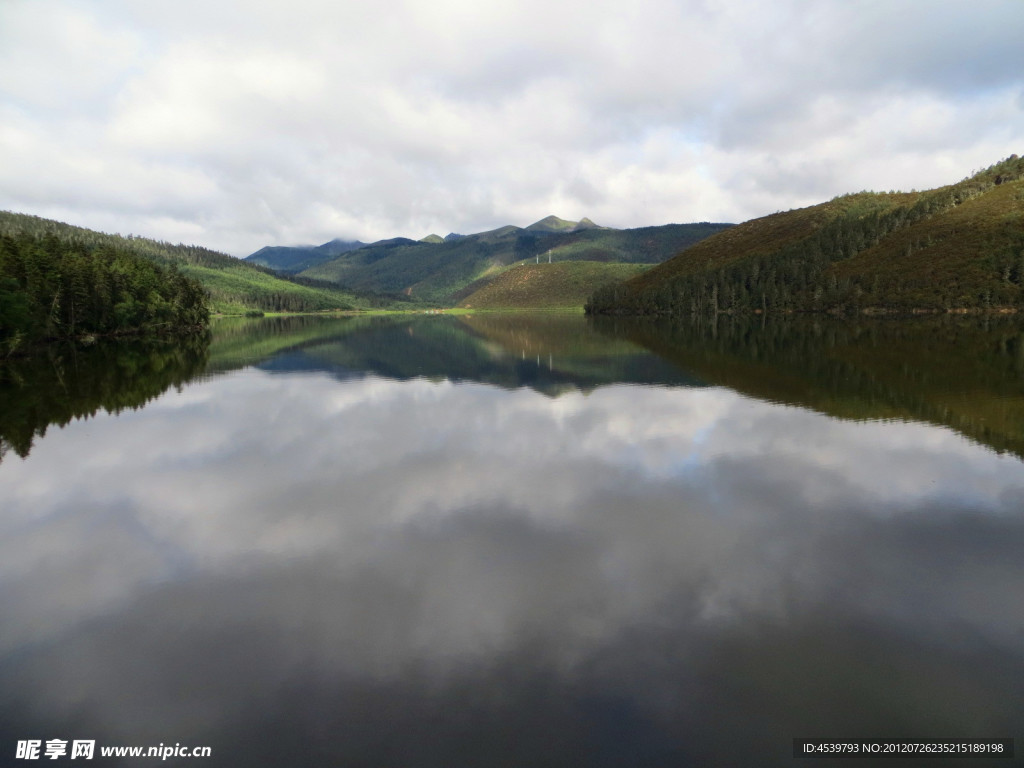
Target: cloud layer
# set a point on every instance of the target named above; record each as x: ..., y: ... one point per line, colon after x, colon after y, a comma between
x: 237, y: 125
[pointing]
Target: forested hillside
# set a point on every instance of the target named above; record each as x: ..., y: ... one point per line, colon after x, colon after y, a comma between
x: 52, y: 288
x: 952, y: 248
x: 232, y: 285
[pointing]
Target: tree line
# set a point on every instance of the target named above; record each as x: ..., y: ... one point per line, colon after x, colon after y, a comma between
x: 232, y: 284
x: 56, y: 288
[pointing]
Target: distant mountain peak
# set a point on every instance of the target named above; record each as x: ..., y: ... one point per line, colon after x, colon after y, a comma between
x: 432, y: 239
x: 552, y: 224
x: 296, y: 258
x: 556, y: 224
x: 338, y: 246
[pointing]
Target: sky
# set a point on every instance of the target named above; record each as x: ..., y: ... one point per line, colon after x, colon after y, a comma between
x: 236, y: 125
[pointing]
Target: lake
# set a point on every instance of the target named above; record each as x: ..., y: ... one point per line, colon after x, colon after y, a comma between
x: 516, y: 540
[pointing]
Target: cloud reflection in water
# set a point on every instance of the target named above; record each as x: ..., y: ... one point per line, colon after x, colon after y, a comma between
x: 418, y: 573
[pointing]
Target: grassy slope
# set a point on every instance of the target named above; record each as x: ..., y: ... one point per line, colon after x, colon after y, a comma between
x: 234, y: 285
x: 235, y: 289
x: 543, y: 286
x: 444, y: 272
x: 959, y: 246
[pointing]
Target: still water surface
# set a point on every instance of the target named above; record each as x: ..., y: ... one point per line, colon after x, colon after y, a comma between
x: 516, y: 541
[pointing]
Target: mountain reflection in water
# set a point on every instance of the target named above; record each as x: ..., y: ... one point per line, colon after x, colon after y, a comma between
x: 393, y: 543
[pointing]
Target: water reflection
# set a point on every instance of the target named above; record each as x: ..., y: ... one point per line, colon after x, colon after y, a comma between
x: 551, y: 354
x: 963, y: 372
x: 305, y: 563
x: 64, y: 382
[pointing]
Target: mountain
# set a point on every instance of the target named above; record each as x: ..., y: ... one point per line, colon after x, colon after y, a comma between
x: 555, y: 224
x: 552, y: 224
x: 293, y: 259
x: 447, y: 272
x: 233, y: 285
x: 958, y: 247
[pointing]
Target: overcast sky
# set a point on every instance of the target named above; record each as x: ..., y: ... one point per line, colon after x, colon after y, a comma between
x: 238, y: 124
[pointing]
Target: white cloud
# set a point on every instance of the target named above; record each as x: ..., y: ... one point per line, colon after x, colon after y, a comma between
x: 62, y: 58
x: 241, y: 124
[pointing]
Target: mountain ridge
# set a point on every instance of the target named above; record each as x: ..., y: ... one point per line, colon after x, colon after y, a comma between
x: 296, y: 258
x: 441, y: 272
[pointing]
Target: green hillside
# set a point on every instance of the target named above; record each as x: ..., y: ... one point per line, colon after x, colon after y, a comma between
x: 958, y: 247
x: 233, y: 285
x: 53, y: 288
x: 546, y: 286
x: 235, y: 289
x: 447, y: 272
